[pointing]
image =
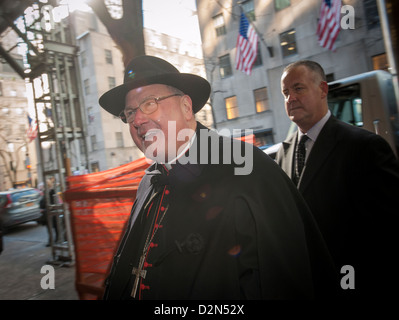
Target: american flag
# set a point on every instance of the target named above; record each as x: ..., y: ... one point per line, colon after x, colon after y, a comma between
x: 329, y: 23
x: 32, y: 130
x: 247, y: 46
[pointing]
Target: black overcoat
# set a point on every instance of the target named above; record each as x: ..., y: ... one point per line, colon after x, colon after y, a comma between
x: 224, y: 235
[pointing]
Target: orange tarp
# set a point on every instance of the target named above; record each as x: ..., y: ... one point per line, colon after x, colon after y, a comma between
x: 100, y: 205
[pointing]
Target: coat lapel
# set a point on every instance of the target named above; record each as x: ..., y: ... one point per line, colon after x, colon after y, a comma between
x: 288, y: 149
x: 324, y: 145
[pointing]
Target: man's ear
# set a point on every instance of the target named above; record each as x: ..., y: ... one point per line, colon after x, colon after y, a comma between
x: 187, y: 107
x: 324, y: 89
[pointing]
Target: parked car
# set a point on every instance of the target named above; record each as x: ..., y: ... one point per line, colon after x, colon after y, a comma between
x: 19, y: 206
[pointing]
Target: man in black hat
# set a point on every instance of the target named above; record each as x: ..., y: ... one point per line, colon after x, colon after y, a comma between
x: 200, y: 228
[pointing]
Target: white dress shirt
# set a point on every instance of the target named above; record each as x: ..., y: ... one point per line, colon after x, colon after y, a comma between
x: 313, y: 133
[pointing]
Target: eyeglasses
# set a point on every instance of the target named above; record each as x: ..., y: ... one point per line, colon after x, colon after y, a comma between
x: 148, y: 106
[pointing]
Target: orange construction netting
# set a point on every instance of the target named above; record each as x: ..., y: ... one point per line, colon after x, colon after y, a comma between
x: 100, y: 206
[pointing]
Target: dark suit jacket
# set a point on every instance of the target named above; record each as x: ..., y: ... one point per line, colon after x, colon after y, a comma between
x: 225, y: 236
x: 351, y: 184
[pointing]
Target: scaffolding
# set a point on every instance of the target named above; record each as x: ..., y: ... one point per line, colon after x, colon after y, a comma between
x: 52, y: 72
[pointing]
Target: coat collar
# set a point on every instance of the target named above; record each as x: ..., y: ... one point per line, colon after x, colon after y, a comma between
x: 288, y: 147
x: 183, y: 172
x: 323, y: 146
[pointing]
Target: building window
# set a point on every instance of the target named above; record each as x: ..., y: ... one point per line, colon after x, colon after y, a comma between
x: 281, y: 4
x: 231, y: 107
x: 248, y: 8
x: 261, y: 100
x: 108, y: 56
x: 380, y: 62
x: 93, y: 141
x: 371, y: 13
x: 288, y: 43
x: 82, y: 148
x: 83, y: 58
x: 95, y: 167
x: 119, y: 139
x: 86, y: 84
x: 258, y: 60
x: 90, y: 114
x: 225, y: 66
x: 218, y: 23
x: 111, y: 83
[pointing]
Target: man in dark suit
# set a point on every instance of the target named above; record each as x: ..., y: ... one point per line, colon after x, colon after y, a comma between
x: 349, y: 177
x: 200, y: 227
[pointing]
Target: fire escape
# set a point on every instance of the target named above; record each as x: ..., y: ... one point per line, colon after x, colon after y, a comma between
x: 52, y: 71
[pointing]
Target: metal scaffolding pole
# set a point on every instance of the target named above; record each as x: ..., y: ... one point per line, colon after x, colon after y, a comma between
x: 53, y: 74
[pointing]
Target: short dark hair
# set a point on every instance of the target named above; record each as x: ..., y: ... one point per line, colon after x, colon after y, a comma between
x: 312, y: 65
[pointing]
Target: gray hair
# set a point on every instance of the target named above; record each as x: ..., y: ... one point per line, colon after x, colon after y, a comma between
x: 311, y: 65
x: 175, y: 90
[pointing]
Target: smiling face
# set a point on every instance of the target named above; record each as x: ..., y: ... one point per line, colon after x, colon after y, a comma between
x: 305, y: 96
x: 155, y: 134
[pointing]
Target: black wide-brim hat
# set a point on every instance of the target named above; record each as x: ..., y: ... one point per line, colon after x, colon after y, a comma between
x: 145, y: 70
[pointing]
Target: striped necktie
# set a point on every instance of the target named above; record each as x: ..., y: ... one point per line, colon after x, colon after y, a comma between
x: 300, y: 156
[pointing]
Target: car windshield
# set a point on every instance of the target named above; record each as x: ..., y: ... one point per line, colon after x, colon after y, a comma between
x: 345, y: 103
x: 24, y: 196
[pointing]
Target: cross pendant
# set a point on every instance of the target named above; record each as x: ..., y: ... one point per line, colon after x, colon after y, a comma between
x: 139, y: 273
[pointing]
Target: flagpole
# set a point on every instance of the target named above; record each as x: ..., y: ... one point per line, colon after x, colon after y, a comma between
x: 269, y: 49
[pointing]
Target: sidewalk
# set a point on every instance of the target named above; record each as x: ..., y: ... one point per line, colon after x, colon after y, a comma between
x: 24, y: 254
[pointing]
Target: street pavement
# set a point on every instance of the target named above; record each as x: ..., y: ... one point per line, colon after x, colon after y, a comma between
x: 24, y: 254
